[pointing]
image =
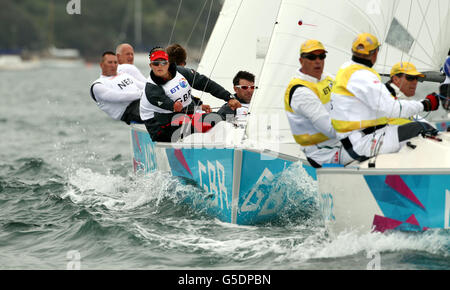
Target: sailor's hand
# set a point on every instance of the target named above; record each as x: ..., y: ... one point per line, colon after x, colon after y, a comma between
x: 431, y: 102
x: 206, y: 108
x: 234, y: 104
x: 177, y: 106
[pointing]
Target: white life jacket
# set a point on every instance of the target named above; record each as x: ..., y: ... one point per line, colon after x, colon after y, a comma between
x: 122, y: 82
x: 177, y: 89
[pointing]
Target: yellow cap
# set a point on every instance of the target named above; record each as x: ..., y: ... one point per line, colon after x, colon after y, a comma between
x: 311, y: 45
x: 365, y: 43
x: 405, y: 68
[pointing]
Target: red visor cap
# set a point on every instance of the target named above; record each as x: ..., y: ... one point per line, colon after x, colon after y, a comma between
x: 159, y: 54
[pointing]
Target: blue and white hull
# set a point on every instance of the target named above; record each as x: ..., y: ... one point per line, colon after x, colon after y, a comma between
x: 406, y: 191
x: 236, y: 181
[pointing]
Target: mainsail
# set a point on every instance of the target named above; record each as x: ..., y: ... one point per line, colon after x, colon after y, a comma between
x: 239, y: 41
x: 264, y: 37
x: 409, y: 30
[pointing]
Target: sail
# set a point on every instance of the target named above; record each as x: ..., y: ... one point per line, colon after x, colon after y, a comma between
x: 239, y: 41
x: 409, y: 30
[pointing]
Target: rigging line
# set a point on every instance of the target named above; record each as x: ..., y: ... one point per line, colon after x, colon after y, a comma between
x: 175, y: 23
x: 223, y: 44
x: 202, y: 50
x: 407, y: 25
x: 196, y: 22
x: 439, y: 19
x: 380, y: 141
x: 387, y: 49
x: 206, y: 27
x: 418, y: 33
x: 226, y: 37
x: 429, y: 33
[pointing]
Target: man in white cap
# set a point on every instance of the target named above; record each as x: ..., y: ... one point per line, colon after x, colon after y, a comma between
x: 125, y: 57
x: 362, y: 106
x: 307, y: 105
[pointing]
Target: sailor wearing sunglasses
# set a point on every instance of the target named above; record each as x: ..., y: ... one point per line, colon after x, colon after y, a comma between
x: 168, y: 92
x: 244, y: 87
x: 307, y: 105
x: 402, y: 85
x: 362, y: 106
x: 404, y: 79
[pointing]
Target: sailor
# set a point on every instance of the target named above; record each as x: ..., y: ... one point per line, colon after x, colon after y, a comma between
x: 244, y: 86
x: 125, y: 57
x: 404, y: 78
x: 117, y: 94
x: 362, y: 106
x: 177, y: 54
x: 168, y: 92
x: 307, y: 105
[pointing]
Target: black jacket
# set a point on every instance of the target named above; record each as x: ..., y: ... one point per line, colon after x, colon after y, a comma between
x: 156, y: 96
x: 226, y: 110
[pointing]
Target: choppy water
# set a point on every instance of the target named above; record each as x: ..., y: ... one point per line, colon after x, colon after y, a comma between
x: 69, y: 199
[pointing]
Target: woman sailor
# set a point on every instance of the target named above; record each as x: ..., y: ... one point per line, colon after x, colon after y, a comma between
x: 168, y: 92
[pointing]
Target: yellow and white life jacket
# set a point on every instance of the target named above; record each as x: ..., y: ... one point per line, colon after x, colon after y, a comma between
x: 301, y: 127
x: 348, y: 113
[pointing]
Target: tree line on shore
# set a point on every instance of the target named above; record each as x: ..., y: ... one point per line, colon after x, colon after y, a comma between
x: 36, y: 25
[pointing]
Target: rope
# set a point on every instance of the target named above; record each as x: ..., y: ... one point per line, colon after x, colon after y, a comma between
x: 223, y: 44
x: 175, y: 22
x: 407, y: 25
x: 196, y: 22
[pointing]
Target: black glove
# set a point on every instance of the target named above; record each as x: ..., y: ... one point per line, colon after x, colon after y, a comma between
x: 431, y: 102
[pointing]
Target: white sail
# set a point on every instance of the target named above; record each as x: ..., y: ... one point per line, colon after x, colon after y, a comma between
x: 409, y: 30
x: 239, y: 41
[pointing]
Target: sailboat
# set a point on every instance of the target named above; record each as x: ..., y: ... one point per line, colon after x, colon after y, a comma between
x: 233, y: 163
x: 234, y: 172
x: 408, y: 190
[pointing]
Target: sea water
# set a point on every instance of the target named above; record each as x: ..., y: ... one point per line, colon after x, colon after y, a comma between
x: 69, y: 200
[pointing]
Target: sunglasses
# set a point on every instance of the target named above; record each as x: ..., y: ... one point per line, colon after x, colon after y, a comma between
x: 246, y: 87
x: 159, y: 62
x: 311, y: 56
x: 411, y: 78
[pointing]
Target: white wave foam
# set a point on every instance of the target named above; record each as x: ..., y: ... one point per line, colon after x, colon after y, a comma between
x: 295, y: 246
x: 115, y: 192
x: 352, y: 243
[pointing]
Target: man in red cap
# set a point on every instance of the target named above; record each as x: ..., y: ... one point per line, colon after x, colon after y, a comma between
x: 168, y: 92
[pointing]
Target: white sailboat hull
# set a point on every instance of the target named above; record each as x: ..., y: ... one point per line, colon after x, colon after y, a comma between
x: 408, y: 191
x: 239, y: 183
